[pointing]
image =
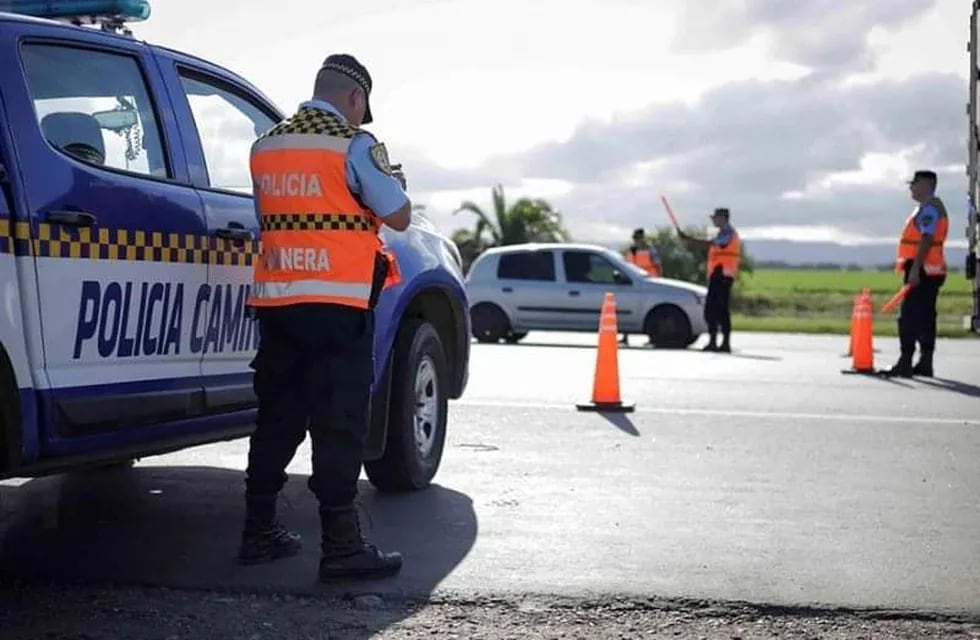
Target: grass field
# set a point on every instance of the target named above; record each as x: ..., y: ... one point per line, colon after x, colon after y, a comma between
x: 820, y: 301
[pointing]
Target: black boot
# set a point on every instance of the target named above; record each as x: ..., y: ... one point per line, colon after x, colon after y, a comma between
x: 924, y: 366
x: 346, y: 555
x: 726, y: 346
x: 263, y: 538
x: 712, y: 345
x: 902, y: 368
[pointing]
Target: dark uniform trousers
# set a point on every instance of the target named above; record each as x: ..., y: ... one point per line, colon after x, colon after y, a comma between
x: 917, y: 316
x: 716, y: 304
x: 313, y: 371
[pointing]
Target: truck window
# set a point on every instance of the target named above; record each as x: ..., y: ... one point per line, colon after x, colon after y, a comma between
x: 227, y: 125
x: 527, y: 265
x: 95, y: 107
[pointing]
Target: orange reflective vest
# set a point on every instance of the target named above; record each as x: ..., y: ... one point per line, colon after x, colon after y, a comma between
x: 318, y: 243
x: 642, y: 259
x: 934, y: 262
x: 728, y: 258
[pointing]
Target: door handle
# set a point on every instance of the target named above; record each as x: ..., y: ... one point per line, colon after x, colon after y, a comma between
x: 507, y: 290
x: 573, y: 293
x: 231, y: 233
x: 72, y: 218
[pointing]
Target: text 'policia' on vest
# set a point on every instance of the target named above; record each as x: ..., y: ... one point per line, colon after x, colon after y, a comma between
x: 319, y: 242
x: 934, y: 262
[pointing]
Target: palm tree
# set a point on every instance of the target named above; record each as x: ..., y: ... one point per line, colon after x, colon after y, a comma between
x: 527, y: 220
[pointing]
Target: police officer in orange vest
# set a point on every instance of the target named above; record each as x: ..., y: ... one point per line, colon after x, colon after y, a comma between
x: 645, y: 256
x: 724, y: 258
x: 323, y: 188
x: 921, y: 259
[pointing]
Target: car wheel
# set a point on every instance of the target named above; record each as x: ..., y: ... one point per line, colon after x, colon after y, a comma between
x: 668, y: 328
x: 489, y: 322
x: 417, y: 411
x: 513, y: 337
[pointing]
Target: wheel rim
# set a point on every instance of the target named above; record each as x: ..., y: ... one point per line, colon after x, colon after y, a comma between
x: 426, y: 417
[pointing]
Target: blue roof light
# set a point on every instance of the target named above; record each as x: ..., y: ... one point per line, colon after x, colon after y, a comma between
x: 128, y: 10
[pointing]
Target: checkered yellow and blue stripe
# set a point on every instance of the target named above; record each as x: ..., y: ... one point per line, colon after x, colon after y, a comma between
x: 316, y: 222
x: 58, y: 241
x: 313, y: 121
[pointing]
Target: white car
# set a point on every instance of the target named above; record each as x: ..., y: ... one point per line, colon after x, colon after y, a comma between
x: 515, y: 289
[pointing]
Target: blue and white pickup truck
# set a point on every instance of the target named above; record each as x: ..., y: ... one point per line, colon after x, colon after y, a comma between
x: 127, y: 234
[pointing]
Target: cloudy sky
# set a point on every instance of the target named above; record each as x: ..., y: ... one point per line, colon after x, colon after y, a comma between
x: 804, y: 118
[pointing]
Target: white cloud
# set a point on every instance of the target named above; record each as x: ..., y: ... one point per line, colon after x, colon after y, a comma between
x: 800, y: 116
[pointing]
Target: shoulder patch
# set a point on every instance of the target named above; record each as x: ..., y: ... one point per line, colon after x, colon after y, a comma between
x: 379, y: 155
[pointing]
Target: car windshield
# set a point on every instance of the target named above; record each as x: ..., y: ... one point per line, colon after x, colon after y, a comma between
x: 628, y: 267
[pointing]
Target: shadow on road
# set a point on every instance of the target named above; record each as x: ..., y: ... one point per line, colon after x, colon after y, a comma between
x: 622, y: 422
x: 179, y: 527
x: 878, y: 375
x: 751, y: 356
x: 552, y: 345
x: 955, y: 386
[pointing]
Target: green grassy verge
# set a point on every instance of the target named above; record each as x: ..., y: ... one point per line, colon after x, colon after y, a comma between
x: 820, y: 301
x: 884, y: 326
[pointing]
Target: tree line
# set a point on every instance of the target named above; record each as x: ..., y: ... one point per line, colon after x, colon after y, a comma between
x: 536, y: 220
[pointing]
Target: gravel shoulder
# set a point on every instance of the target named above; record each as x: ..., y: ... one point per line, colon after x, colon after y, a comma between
x: 65, y: 612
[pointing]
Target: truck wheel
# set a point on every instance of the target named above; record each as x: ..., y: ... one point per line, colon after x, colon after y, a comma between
x: 417, y: 411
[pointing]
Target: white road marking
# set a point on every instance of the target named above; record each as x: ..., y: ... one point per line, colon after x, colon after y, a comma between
x: 775, y: 415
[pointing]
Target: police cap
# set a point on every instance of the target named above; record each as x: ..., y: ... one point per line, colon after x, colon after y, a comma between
x: 638, y: 233
x: 924, y: 175
x: 349, y: 66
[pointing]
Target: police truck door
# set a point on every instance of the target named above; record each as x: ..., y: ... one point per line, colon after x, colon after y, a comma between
x: 117, y: 239
x: 223, y: 121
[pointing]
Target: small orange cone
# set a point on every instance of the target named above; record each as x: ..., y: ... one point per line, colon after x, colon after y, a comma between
x: 605, y: 385
x: 862, y: 335
x: 854, y: 315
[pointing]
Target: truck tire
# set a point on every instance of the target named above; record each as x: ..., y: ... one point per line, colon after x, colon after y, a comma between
x: 417, y: 411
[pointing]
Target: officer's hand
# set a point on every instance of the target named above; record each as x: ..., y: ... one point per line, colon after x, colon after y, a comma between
x: 399, y: 175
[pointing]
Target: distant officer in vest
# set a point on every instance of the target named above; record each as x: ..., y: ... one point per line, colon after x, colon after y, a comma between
x: 923, y: 264
x: 645, y: 256
x: 323, y: 188
x: 724, y: 258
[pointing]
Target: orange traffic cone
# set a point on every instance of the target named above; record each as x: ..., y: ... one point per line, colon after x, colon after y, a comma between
x: 605, y: 385
x: 854, y: 315
x: 862, y: 335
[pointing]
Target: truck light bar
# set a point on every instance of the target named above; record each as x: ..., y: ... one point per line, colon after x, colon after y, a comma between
x: 116, y: 10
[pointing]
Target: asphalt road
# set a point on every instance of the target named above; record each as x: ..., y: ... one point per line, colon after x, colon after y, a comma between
x: 764, y: 476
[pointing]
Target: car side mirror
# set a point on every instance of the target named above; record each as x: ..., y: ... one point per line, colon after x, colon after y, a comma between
x: 619, y: 278
x: 116, y: 119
